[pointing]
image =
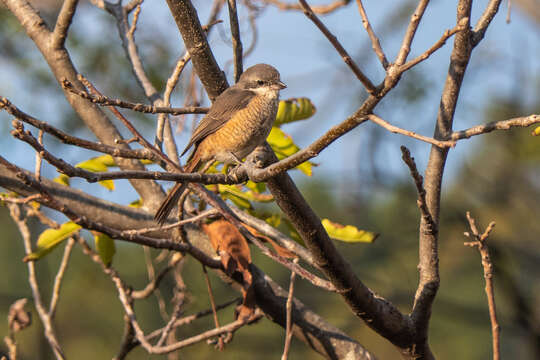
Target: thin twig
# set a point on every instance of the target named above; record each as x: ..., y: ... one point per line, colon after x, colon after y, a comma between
x: 151, y: 109
x: 496, y: 125
x: 153, y: 286
x: 462, y: 25
x: 38, y: 157
x: 221, y: 344
x: 289, y: 307
x: 236, y: 41
x: 59, y: 276
x: 46, y: 319
x: 418, y: 181
x: 440, y: 143
x: 410, y: 32
x: 317, y: 9
x: 375, y: 43
x: 480, y: 242
x: 65, y: 138
x: 339, y: 48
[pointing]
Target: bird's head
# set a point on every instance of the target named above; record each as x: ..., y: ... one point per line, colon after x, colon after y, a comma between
x: 262, y: 79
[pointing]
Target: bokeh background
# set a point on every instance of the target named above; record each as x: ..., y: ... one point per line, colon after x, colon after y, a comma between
x: 359, y: 180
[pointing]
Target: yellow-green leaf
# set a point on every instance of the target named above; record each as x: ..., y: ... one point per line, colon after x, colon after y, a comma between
x: 105, y: 247
x: 536, y: 132
x: 93, y: 165
x: 51, y: 238
x: 235, y: 195
x: 293, y: 110
x: 347, y: 233
x: 257, y: 187
x: 107, y: 184
x: 62, y: 179
x: 136, y: 203
x: 283, y: 146
x: 99, y: 164
x: 273, y: 220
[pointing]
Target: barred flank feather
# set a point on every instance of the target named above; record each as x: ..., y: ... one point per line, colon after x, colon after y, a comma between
x: 172, y: 199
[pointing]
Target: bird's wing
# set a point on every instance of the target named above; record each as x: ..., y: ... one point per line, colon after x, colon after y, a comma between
x: 222, y: 110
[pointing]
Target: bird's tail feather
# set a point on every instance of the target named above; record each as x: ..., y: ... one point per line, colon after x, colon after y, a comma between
x: 172, y: 199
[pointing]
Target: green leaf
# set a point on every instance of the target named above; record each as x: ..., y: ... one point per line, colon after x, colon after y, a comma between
x: 293, y: 110
x: 105, y: 247
x: 348, y: 233
x: 51, y: 238
x: 62, y: 179
x: 283, y: 146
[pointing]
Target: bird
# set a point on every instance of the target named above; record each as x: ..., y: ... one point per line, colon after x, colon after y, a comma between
x: 238, y: 121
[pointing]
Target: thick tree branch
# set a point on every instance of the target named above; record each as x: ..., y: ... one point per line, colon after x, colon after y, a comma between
x: 236, y: 41
x: 428, y: 240
x: 194, y: 37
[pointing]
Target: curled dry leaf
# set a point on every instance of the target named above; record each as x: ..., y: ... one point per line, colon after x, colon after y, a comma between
x: 235, y: 255
x: 18, y: 317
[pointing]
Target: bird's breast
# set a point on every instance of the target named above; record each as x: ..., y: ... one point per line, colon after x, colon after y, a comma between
x: 246, y: 129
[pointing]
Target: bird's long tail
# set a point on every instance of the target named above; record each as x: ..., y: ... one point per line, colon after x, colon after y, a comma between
x: 172, y: 199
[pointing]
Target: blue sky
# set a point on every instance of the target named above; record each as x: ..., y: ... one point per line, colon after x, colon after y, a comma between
x: 311, y: 67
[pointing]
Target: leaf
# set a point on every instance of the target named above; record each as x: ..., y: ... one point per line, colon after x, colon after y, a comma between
x: 293, y: 110
x: 235, y: 195
x: 257, y: 187
x: 242, y: 198
x: 105, y: 247
x: 536, y: 131
x: 107, y: 184
x: 235, y: 256
x: 99, y: 164
x: 136, y: 203
x: 51, y: 238
x: 348, y: 233
x: 283, y: 146
x: 93, y: 165
x: 62, y: 179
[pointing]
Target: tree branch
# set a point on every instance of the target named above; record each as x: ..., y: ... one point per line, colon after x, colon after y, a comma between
x: 496, y: 125
x: 480, y: 242
x: 65, y: 17
x: 428, y: 266
x: 236, y: 41
x: 377, y: 120
x: 375, y: 43
x: 339, y: 48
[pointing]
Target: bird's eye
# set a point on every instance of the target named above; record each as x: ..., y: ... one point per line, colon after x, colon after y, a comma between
x: 260, y: 82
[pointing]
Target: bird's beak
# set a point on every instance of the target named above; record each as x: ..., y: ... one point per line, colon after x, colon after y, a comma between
x: 280, y: 85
